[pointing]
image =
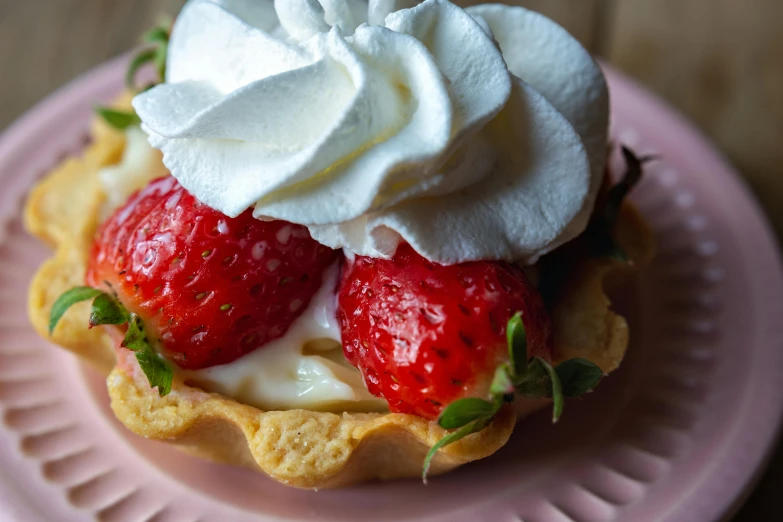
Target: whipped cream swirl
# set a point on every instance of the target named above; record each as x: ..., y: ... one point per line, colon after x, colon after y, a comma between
x: 378, y: 122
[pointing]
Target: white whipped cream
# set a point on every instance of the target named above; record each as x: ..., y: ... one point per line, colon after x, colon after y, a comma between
x: 372, y: 125
x: 303, y: 369
x: 139, y: 165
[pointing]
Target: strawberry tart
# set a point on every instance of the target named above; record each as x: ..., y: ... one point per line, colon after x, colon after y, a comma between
x: 343, y: 240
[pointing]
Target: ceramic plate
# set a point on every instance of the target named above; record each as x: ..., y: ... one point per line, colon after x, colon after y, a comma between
x: 678, y: 434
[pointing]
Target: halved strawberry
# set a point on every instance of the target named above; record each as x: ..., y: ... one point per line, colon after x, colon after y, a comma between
x: 454, y: 343
x: 189, y: 283
x: 425, y: 335
x: 208, y: 288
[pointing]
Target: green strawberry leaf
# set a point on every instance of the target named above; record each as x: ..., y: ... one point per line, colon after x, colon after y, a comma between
x: 556, y: 389
x: 451, y: 438
x: 156, y: 35
x: 534, y: 384
x: 135, y: 338
x: 536, y: 379
x: 617, y: 194
x: 141, y: 59
x: 67, y: 300
x: 107, y: 310
x: 157, y: 54
x: 464, y: 411
x: 159, y: 36
x: 578, y: 376
x: 158, y: 370
x: 161, y: 57
x: 571, y: 378
x: 601, y: 230
x: 516, y: 336
x: 502, y: 383
x: 120, y: 120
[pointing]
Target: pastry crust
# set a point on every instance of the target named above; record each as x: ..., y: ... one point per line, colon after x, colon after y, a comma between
x: 301, y: 448
x: 583, y: 322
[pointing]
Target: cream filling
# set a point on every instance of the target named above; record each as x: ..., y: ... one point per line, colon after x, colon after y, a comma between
x: 303, y: 369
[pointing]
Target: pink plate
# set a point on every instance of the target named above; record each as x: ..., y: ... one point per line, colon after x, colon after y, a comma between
x: 678, y: 434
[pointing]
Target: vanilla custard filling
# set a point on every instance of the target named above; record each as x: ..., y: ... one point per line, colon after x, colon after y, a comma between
x: 303, y: 369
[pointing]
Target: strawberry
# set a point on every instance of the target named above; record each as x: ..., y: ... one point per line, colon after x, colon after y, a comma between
x: 425, y: 335
x: 452, y: 343
x: 208, y: 288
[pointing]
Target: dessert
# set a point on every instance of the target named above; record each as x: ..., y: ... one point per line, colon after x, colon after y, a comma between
x: 367, y: 246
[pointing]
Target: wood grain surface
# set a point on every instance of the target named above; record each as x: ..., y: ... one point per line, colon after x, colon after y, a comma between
x: 720, y: 62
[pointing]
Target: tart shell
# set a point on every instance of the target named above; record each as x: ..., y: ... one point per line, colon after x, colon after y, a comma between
x: 300, y: 448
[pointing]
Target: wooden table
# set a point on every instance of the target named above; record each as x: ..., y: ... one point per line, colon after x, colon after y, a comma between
x: 718, y: 61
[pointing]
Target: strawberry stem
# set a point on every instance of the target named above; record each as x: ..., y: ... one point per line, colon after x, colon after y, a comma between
x: 67, y: 300
x: 107, y: 310
x: 532, y: 378
x: 156, y: 53
x: 600, y: 232
x: 470, y: 428
x: 557, y: 389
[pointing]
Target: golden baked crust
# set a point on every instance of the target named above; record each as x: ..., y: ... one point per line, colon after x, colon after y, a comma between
x: 582, y: 319
x: 296, y: 447
x: 300, y: 448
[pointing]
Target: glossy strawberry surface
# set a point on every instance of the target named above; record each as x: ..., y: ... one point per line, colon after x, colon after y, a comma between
x: 424, y: 335
x: 209, y: 288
